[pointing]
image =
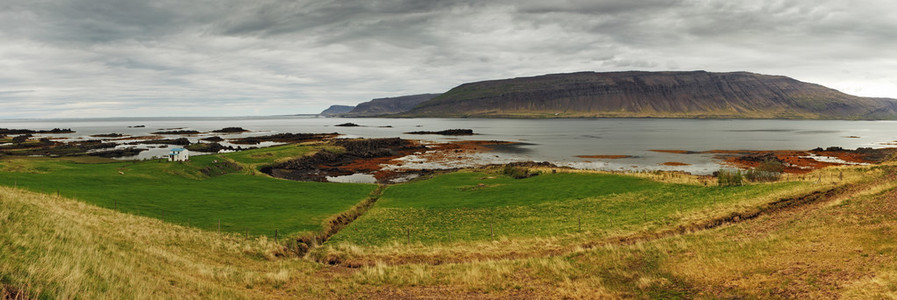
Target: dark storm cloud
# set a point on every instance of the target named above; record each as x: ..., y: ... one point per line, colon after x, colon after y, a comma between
x: 123, y: 57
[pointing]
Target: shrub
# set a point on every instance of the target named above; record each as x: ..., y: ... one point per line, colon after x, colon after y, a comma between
x: 729, y: 177
x: 767, y: 171
x: 518, y: 172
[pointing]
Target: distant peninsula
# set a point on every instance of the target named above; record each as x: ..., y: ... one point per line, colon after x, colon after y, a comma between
x: 637, y: 94
x: 378, y: 107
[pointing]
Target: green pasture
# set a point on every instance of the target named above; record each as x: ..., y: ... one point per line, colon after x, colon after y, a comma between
x: 255, y: 158
x: 470, y: 206
x: 183, y: 193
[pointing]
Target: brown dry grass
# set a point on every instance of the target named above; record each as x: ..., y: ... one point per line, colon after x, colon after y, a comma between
x: 840, y: 247
x: 61, y: 248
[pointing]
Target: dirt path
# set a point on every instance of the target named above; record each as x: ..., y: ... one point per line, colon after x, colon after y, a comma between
x: 303, y: 244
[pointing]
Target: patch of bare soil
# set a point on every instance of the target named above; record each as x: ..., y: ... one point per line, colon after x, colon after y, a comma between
x: 8, y: 292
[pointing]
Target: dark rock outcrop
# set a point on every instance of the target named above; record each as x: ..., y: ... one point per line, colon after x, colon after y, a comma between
x: 696, y: 94
x: 7, y: 131
x: 358, y: 156
x: 230, y: 130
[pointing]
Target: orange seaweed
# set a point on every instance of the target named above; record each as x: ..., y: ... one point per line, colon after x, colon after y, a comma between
x: 675, y: 163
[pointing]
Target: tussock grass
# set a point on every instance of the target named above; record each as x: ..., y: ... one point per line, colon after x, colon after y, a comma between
x: 61, y: 248
x: 818, y: 251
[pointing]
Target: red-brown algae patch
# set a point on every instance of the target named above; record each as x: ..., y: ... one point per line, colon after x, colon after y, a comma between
x: 674, y: 163
x: 794, y: 161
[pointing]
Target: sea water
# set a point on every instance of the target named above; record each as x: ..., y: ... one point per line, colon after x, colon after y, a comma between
x: 559, y: 141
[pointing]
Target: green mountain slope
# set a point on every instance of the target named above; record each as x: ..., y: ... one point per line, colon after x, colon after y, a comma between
x: 696, y: 94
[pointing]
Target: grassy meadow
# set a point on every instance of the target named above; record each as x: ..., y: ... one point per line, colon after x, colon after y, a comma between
x: 197, y: 193
x: 477, y: 206
x: 86, y: 227
x: 842, y: 247
x: 253, y: 159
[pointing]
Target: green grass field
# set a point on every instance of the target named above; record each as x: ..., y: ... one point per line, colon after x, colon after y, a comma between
x: 181, y: 193
x: 470, y: 206
x: 255, y: 158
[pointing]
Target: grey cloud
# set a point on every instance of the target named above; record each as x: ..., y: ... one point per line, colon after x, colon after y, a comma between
x: 126, y: 57
x: 595, y: 7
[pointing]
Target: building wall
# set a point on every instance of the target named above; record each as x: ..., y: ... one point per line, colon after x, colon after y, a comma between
x: 183, y: 156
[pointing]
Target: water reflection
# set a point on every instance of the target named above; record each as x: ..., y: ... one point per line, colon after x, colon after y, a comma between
x: 354, y: 178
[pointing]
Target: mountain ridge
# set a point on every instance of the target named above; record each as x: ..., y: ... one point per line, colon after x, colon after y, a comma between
x: 689, y: 94
x: 336, y: 110
x: 387, y: 106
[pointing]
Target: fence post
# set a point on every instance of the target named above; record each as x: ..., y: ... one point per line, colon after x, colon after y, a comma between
x: 219, y: 225
x: 492, y: 231
x: 579, y: 220
x: 275, y: 235
x: 409, y: 235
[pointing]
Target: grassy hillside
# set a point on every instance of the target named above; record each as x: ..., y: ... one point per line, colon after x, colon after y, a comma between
x: 254, y: 158
x: 475, y: 215
x: 840, y: 246
x: 474, y: 206
x: 695, y: 94
x: 58, y: 248
x: 198, y: 193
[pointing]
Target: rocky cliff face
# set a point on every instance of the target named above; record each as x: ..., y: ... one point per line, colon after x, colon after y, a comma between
x: 337, y: 110
x: 695, y: 94
x: 387, y: 106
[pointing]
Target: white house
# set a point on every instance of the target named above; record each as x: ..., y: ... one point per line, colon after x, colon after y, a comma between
x: 179, y: 154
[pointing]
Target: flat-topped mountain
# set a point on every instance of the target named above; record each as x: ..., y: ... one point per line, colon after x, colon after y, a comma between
x: 387, y: 106
x: 696, y: 94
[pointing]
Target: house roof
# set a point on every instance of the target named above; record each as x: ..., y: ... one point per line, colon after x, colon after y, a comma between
x: 178, y: 150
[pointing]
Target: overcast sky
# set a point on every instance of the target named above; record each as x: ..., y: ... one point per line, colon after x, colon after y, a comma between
x: 105, y: 58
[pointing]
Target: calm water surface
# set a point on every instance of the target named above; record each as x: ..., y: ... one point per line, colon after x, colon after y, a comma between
x: 555, y: 140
